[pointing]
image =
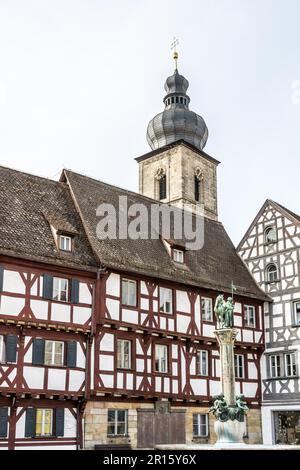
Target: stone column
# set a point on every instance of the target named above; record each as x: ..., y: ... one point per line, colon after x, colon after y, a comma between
x: 225, y: 338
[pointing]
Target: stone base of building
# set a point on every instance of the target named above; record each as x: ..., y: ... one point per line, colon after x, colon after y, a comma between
x: 157, y: 423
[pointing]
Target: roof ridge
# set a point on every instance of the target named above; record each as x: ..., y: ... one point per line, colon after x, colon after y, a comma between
x: 30, y: 174
x: 134, y: 193
x: 293, y: 214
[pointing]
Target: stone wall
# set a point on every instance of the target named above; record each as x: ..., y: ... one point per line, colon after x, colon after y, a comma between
x: 95, y: 424
x: 179, y: 164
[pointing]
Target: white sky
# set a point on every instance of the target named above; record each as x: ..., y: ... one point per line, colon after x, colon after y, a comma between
x: 80, y: 79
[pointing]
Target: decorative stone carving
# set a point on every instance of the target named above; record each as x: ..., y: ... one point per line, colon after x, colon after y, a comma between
x: 199, y: 174
x: 160, y: 173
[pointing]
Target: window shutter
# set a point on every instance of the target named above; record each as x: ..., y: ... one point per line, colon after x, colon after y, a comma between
x: 1, y: 278
x: 59, y: 421
x: 3, y: 421
x: 11, y: 348
x: 30, y: 422
x: 75, y: 291
x: 48, y: 286
x: 38, y: 353
x: 71, y: 353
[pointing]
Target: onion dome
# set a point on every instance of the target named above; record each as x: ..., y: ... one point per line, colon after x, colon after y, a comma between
x: 176, y: 122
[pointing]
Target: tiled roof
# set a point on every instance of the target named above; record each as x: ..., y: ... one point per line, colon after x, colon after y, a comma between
x: 25, y: 202
x: 214, y: 266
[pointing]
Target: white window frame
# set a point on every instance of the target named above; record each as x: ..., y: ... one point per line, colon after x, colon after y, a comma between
x: 273, y: 272
x: 296, y: 314
x: 161, y: 358
x: 202, y: 362
x: 123, y: 359
x: 266, y: 235
x: 206, y: 309
x: 54, y: 353
x: 116, y: 421
x: 126, y: 299
x: 291, y: 365
x: 58, y: 290
x: 43, y: 410
x: 238, y: 366
x: 247, y: 316
x: 65, y: 242
x: 276, y: 369
x: 165, y: 303
x: 178, y: 256
x: 200, y: 425
x: 2, y: 349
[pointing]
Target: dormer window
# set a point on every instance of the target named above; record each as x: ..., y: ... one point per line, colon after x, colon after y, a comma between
x: 178, y: 255
x: 65, y: 242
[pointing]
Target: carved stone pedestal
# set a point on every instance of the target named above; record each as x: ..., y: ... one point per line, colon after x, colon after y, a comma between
x: 230, y: 432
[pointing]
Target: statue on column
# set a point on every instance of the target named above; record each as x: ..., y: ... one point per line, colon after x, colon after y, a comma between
x: 228, y: 408
x: 224, y: 311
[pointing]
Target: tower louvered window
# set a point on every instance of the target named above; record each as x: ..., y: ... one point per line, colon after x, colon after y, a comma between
x: 163, y: 187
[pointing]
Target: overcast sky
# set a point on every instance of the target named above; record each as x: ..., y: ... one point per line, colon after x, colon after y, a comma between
x: 80, y: 79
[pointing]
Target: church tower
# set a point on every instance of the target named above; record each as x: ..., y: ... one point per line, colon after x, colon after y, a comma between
x: 177, y: 170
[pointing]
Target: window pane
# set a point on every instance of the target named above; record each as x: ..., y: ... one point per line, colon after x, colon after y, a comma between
x: 124, y: 292
x: 111, y: 415
x: 111, y: 428
x: 121, y: 415
x: 121, y: 428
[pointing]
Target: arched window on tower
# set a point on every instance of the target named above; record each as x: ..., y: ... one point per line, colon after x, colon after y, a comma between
x: 160, y: 184
x: 163, y: 187
x: 272, y: 273
x: 198, y: 182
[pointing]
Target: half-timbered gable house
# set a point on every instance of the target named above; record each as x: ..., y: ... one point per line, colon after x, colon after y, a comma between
x: 271, y: 249
x: 46, y: 302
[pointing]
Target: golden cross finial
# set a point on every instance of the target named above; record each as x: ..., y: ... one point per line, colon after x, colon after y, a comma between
x: 174, y: 44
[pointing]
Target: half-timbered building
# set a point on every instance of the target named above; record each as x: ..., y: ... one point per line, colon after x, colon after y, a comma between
x: 46, y: 303
x: 112, y: 340
x: 271, y: 249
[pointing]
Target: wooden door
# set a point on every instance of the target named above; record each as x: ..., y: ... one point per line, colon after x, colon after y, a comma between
x: 145, y: 429
x: 160, y: 428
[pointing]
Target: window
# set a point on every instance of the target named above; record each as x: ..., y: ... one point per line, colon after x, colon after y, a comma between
x: 60, y: 289
x: 65, y: 243
x: 200, y: 425
x: 165, y: 300
x: 161, y: 358
x: 202, y: 363
x: 290, y: 364
x: 239, y: 366
x: 197, y: 188
x: 270, y: 235
x: 249, y: 315
x: 162, y: 183
x: 297, y: 312
x: 117, y: 422
x: 44, y: 419
x: 283, y: 365
x: 2, y: 349
x: 206, y: 309
x: 124, y: 354
x: 275, y: 365
x: 272, y: 273
x: 129, y: 292
x: 54, y: 353
x: 178, y: 256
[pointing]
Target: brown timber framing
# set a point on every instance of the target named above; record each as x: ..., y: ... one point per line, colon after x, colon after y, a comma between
x: 88, y: 335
